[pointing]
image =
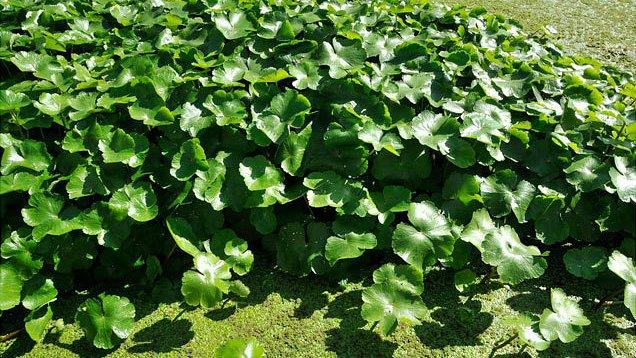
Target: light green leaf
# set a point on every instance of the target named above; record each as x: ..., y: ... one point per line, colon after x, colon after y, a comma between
x: 205, y: 286
x: 191, y: 120
x: 11, y: 101
x: 391, y: 300
x: 349, y: 246
x: 10, y: 287
x: 37, y: 292
x: 624, y: 179
x: 183, y: 235
x: 259, y: 174
x: 342, y: 56
x: 306, y: 74
x: 292, y: 150
x: 137, y: 200
x: 29, y: 154
x: 587, y: 174
x: 37, y: 322
x: 566, y: 319
x: 234, y: 26
x: 240, y: 348
x: 623, y: 266
x: 227, y: 108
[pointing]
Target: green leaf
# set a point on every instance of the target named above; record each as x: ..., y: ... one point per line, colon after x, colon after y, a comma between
x: 11, y: 101
x: 527, y: 330
x: 264, y: 220
x: 191, y: 120
x: 299, y: 250
x: 566, y: 319
x: 121, y: 147
x: 183, y: 235
x: 37, y: 292
x: 125, y: 15
x: 29, y: 154
x: 226, y: 107
x: 342, y: 56
x: 20, y: 248
x: 137, y: 200
x: 234, y: 26
x: 328, y: 189
x: 37, y: 322
x: 464, y: 279
x: 10, y: 287
x: 485, y: 123
x: 390, y: 300
x: 233, y: 250
x: 205, y: 286
x: 462, y: 187
x: 350, y: 246
x: 239, y: 347
x: 86, y: 180
x: 458, y: 152
x: 478, y: 229
x: 208, y: 184
x: 46, y: 215
x: 515, y: 261
x: 306, y: 75
x: 587, y: 174
x: 623, y: 266
x: 259, y: 174
x: 290, y: 107
x: 106, y: 319
x: 503, y: 193
x: 549, y: 225
x: 430, y: 239
x: 587, y: 262
x: 624, y: 179
x: 432, y: 129
x: 190, y: 159
x: 292, y: 150
x: 51, y: 103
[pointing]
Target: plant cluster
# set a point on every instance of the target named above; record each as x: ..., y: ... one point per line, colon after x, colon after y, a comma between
x: 144, y: 140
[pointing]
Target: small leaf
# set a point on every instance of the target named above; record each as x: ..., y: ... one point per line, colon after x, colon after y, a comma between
x: 137, y: 200
x: 587, y: 262
x: 565, y: 322
x: 238, y: 347
x: 106, y: 319
x: 188, y: 160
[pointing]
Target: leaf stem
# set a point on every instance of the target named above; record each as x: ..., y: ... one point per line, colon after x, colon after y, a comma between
x: 11, y: 335
x: 375, y: 324
x: 607, y: 297
x: 502, y: 344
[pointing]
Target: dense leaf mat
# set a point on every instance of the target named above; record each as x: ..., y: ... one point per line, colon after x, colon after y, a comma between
x: 160, y: 143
